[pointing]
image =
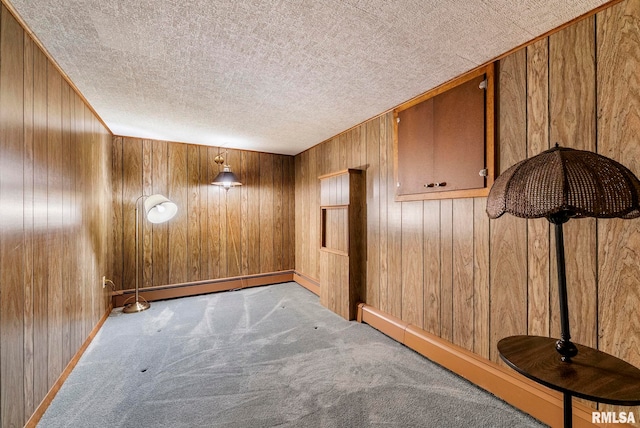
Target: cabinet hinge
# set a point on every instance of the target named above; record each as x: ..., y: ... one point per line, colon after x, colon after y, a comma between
x: 483, y: 84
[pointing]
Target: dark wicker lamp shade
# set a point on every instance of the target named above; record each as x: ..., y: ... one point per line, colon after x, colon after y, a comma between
x: 563, y: 180
x: 560, y: 184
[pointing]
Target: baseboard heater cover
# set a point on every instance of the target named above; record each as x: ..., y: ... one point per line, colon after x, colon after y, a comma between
x: 309, y: 283
x: 540, y: 402
x: 186, y: 289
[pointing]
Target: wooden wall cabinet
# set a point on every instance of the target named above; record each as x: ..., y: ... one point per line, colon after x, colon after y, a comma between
x: 444, y: 140
x: 343, y: 241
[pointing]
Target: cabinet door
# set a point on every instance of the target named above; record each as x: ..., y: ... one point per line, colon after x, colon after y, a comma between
x: 444, y: 140
x: 459, y: 137
x: 416, y: 153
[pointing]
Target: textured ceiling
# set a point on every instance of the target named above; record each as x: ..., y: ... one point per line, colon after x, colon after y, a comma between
x: 277, y: 76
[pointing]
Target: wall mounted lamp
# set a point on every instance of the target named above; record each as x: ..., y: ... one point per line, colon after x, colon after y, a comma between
x: 157, y: 209
x: 225, y: 178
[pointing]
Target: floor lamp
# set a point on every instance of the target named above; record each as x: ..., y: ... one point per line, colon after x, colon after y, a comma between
x: 157, y: 209
x: 560, y: 184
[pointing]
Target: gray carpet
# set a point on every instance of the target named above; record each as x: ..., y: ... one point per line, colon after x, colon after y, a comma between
x: 262, y: 357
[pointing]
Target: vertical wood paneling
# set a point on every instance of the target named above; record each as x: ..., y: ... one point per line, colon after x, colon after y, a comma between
x: 232, y: 199
x: 313, y: 227
x: 618, y: 127
x: 29, y: 267
x: 572, y: 109
x: 145, y: 246
x: 67, y: 238
x: 386, y: 136
x: 54, y: 222
x: 52, y: 239
x: 132, y: 190
x: 12, y: 253
x: 463, y: 290
x: 203, y: 205
x: 508, y: 234
x: 538, y: 229
x: 160, y: 239
x: 548, y: 92
x: 193, y: 213
x: 373, y: 211
x: 412, y: 259
x: 213, y: 209
x: 278, y: 211
x: 446, y: 269
x: 289, y: 208
x: 394, y: 238
x: 178, y: 193
x: 266, y: 207
x: 253, y: 171
x: 481, y: 295
x: 431, y: 230
x: 40, y: 345
x: 117, y: 164
x: 216, y: 233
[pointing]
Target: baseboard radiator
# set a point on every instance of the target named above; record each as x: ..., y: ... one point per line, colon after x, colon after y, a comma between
x: 540, y: 402
x: 163, y: 292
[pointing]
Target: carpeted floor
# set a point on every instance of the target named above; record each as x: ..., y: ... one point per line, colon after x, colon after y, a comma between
x: 262, y: 357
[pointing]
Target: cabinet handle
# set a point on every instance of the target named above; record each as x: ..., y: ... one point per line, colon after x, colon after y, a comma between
x: 441, y: 184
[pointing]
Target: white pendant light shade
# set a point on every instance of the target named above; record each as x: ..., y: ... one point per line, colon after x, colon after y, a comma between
x: 159, y: 209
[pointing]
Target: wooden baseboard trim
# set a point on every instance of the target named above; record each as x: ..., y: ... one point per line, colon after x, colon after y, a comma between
x: 540, y: 402
x: 173, y: 291
x: 310, y: 284
x: 46, y: 401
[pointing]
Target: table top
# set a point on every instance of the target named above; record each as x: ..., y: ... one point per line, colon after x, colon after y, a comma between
x: 592, y: 374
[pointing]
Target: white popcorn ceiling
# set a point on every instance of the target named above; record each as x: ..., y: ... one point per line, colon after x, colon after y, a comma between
x: 277, y: 76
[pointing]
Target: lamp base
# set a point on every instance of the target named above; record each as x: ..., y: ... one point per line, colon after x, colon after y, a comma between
x: 136, y: 307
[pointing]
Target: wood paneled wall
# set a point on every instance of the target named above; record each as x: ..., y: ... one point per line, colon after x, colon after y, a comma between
x: 216, y: 234
x: 55, y: 198
x: 445, y: 267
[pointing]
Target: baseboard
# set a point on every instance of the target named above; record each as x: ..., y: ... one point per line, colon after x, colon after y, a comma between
x: 309, y: 283
x: 186, y: 289
x: 540, y: 402
x: 46, y: 401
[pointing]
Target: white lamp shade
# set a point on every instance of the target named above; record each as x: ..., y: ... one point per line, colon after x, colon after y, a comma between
x: 159, y: 209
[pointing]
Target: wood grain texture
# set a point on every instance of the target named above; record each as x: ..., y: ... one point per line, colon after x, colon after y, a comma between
x: 432, y: 265
x: 54, y: 222
x: 216, y: 234
x: 481, y: 296
x: 508, y: 235
x: 251, y: 247
x: 160, y: 177
x: 12, y: 299
x: 538, y: 280
x: 386, y: 136
x: 618, y: 245
x: 549, y: 91
x: 373, y: 212
x: 463, y: 290
x: 572, y: 98
x: 178, y: 193
x: 29, y: 249
x: 233, y: 219
x: 412, y: 263
x: 54, y: 193
x: 446, y: 269
x: 40, y: 377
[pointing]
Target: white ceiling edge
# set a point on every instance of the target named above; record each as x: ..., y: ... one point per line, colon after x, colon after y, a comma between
x: 278, y: 76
